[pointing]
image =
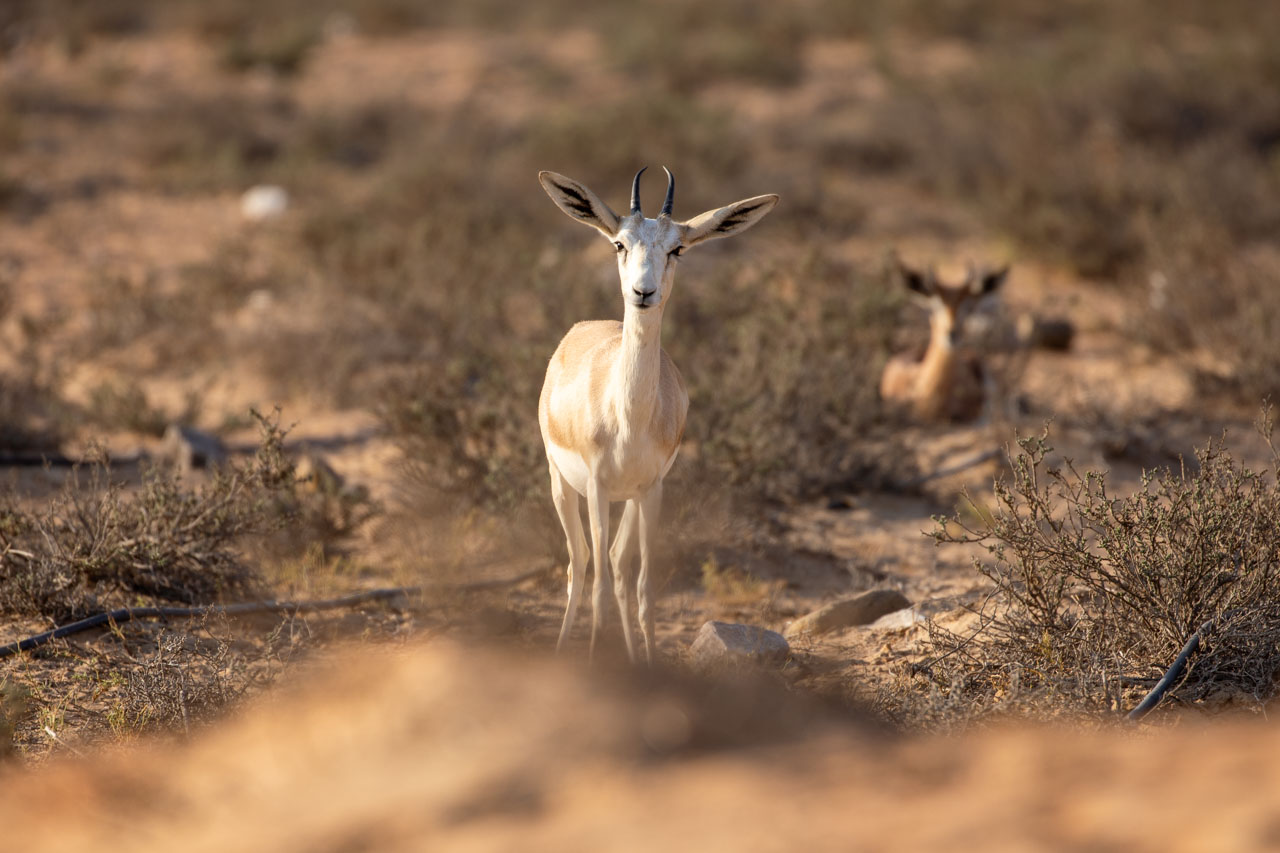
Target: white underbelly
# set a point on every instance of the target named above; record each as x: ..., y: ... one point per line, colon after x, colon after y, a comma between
x: 571, y: 467
x: 575, y: 472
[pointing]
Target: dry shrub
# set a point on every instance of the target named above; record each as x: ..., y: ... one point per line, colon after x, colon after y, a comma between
x: 35, y: 415
x: 782, y: 390
x: 124, y: 405
x: 97, y: 545
x: 280, y: 50
x: 1206, y: 295
x: 736, y: 591
x: 188, y: 679
x: 782, y: 387
x: 1096, y: 594
x: 689, y: 45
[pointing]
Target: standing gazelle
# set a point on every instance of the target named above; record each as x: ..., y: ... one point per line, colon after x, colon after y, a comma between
x: 613, y: 404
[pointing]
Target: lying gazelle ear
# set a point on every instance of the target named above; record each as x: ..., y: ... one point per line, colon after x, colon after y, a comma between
x: 580, y: 203
x: 989, y: 282
x: 727, y: 220
x: 916, y: 281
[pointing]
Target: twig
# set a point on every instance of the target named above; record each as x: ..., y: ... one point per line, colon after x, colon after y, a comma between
x: 928, y: 665
x: 53, y: 736
x: 128, y: 614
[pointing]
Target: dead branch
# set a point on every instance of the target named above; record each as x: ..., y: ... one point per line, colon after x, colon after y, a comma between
x: 128, y: 614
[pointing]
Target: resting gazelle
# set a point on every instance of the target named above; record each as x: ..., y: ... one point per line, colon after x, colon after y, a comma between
x: 613, y: 405
x: 948, y: 383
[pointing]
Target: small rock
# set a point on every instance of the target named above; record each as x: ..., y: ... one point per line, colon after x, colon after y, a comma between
x: 860, y: 610
x: 726, y: 644
x: 264, y: 201
x: 898, y: 620
x: 188, y: 448
x: 1051, y: 333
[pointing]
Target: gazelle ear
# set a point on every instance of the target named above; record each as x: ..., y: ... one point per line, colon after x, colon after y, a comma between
x: 990, y: 282
x: 727, y: 220
x: 916, y: 281
x: 580, y: 203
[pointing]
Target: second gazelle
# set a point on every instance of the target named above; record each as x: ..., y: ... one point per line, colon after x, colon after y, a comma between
x: 613, y: 405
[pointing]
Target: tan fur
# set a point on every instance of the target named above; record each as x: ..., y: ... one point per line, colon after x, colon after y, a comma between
x: 613, y: 405
x: 583, y: 420
x: 948, y: 383
x: 945, y: 385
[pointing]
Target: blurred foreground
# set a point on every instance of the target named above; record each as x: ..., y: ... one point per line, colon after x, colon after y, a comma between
x: 440, y: 747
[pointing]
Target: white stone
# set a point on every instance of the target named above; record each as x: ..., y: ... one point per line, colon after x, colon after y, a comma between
x: 264, y: 201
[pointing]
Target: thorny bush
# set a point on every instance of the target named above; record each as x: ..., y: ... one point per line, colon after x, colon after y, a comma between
x: 97, y: 545
x: 1096, y: 593
x: 195, y: 674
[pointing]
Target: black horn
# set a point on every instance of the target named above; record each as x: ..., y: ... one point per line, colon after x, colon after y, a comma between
x: 671, y: 193
x: 635, y: 193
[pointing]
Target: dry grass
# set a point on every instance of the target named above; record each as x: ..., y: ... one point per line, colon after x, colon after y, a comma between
x: 96, y: 546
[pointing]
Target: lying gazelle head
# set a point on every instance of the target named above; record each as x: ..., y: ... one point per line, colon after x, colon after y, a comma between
x: 950, y: 304
x: 647, y: 248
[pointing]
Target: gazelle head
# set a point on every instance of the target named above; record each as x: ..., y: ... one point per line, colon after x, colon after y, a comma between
x: 950, y: 304
x: 649, y: 248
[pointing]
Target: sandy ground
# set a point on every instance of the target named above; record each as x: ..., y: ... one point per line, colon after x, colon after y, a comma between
x: 444, y: 747
x: 476, y: 749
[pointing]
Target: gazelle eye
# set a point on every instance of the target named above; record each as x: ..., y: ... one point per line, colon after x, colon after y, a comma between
x: 619, y: 247
x: 675, y: 253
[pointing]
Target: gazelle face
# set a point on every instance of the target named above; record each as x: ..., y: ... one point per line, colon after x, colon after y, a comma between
x: 951, y: 304
x: 647, y: 252
x: 648, y: 248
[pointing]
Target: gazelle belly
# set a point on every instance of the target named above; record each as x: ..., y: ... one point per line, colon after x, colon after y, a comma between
x: 572, y: 467
x: 621, y: 483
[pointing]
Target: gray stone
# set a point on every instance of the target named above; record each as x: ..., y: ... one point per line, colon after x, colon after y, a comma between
x: 726, y: 644
x: 1051, y: 333
x: 898, y: 620
x: 859, y: 610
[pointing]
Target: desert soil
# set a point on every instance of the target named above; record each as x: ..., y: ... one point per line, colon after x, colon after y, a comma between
x: 487, y: 750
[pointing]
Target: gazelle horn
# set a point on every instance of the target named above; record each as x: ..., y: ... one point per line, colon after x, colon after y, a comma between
x: 635, y: 193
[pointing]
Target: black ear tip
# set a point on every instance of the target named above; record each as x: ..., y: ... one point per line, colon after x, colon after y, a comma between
x: 994, y: 279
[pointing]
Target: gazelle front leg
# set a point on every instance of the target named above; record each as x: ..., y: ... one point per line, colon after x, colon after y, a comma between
x: 650, y: 509
x: 566, y: 501
x: 622, y: 555
x: 598, y: 516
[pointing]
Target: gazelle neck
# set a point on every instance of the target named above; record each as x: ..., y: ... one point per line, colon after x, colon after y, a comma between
x: 635, y: 380
x: 935, y: 370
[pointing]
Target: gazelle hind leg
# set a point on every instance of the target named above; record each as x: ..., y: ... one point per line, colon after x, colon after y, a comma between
x: 598, y: 517
x: 566, y: 503
x: 622, y: 555
x: 650, y: 510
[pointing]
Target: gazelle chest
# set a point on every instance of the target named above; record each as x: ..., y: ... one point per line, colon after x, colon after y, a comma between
x: 626, y: 468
